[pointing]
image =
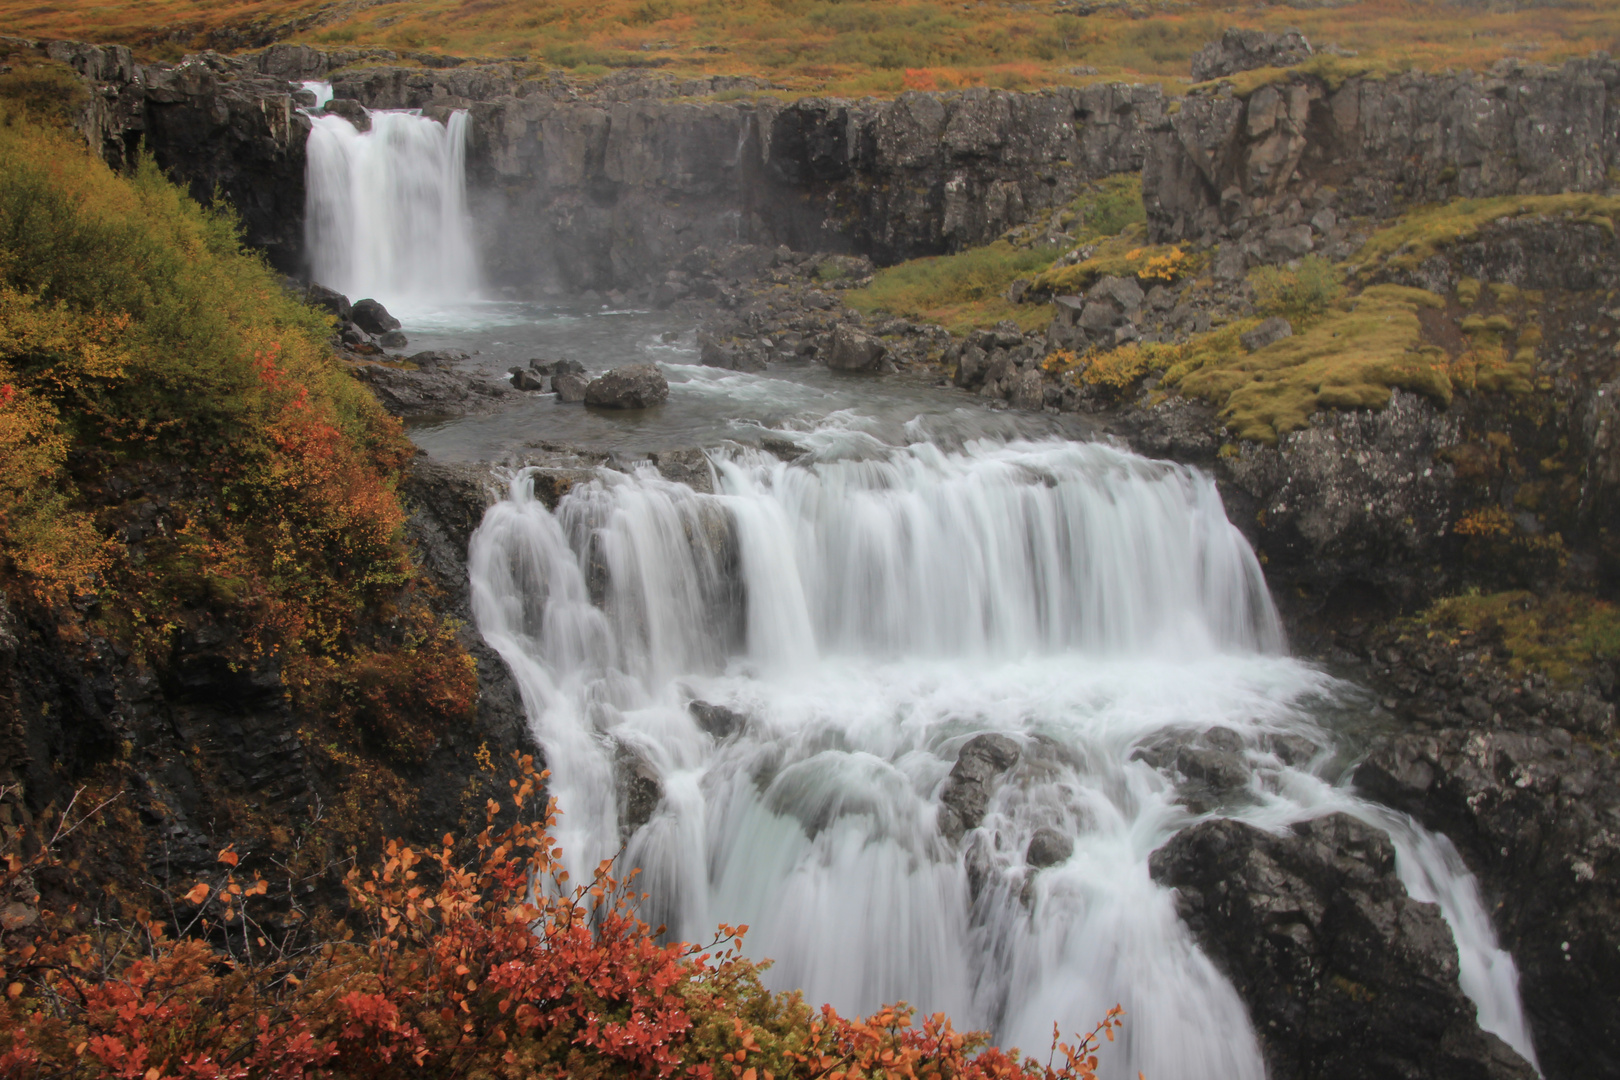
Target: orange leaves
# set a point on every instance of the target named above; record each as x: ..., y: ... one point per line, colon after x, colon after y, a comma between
x: 198, y: 894
x: 479, y: 961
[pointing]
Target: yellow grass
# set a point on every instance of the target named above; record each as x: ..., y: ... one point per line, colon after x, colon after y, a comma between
x: 846, y: 46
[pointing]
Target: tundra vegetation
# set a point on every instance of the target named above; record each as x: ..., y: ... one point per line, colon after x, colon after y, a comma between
x: 840, y: 46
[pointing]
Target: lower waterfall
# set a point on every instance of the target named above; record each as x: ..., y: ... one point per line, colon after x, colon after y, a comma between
x: 386, y: 209
x: 852, y: 622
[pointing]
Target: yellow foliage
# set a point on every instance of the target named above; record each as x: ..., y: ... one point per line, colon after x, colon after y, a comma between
x: 1118, y: 369
x: 1558, y: 634
x: 1486, y: 521
x: 1123, y: 255
x: 1351, y: 359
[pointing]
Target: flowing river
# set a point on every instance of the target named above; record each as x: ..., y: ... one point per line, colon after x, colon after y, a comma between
x: 795, y: 660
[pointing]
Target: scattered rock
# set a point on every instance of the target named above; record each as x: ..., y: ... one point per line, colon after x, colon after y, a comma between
x: 372, y: 317
x: 1272, y: 330
x: 966, y: 796
x: 393, y: 339
x: 523, y: 379
x: 570, y: 387
x: 1343, y: 973
x: 855, y: 350
x: 638, y: 386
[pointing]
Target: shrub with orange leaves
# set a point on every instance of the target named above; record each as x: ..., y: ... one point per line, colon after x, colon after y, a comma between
x: 475, y: 959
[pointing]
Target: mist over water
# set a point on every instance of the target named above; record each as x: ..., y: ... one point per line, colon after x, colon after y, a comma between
x: 868, y: 613
x: 386, y: 209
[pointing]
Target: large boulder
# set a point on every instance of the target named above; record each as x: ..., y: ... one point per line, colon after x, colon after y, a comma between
x: 854, y: 349
x: 570, y: 387
x: 639, y: 386
x: 330, y: 300
x: 372, y: 317
x: 352, y: 111
x: 982, y: 760
x: 1344, y: 974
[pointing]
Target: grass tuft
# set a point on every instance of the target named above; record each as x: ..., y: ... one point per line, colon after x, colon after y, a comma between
x: 960, y: 292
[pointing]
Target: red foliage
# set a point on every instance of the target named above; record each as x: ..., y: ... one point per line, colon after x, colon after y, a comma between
x: 479, y: 960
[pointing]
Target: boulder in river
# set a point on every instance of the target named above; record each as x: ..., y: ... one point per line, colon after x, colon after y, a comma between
x: 524, y: 379
x: 372, y: 317
x: 1344, y: 975
x: 854, y: 349
x: 638, y: 386
x: 569, y: 386
x: 352, y: 111
x: 966, y: 797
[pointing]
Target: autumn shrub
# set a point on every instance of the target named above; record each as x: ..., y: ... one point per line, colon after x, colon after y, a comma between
x: 1301, y: 294
x: 140, y: 340
x: 465, y: 959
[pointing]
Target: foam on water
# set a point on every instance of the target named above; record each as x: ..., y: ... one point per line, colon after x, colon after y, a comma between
x: 868, y: 610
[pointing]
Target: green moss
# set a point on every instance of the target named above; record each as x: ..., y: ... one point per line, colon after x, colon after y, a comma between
x: 1108, y: 206
x: 1333, y: 71
x: 1351, y: 359
x: 960, y: 292
x: 1422, y: 233
x: 1559, y: 635
x: 1302, y: 294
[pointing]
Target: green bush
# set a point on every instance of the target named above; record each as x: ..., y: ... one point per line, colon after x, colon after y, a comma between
x: 1301, y: 295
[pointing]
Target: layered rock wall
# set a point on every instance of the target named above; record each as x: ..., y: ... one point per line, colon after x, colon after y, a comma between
x: 1255, y: 169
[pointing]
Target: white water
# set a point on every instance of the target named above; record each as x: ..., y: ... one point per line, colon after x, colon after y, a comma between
x: 386, y: 209
x: 870, y: 613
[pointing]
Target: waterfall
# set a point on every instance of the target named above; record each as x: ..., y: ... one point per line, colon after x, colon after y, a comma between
x: 855, y: 621
x: 386, y: 209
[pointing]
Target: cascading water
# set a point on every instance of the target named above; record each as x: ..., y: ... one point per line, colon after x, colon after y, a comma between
x: 861, y: 619
x: 386, y: 209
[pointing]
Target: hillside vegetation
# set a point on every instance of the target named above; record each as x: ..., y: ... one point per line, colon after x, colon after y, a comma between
x: 181, y: 454
x: 849, y: 46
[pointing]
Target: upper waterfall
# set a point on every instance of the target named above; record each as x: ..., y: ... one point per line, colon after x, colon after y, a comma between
x: 386, y: 209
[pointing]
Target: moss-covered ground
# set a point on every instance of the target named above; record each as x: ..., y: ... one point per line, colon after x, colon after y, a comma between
x: 1561, y: 634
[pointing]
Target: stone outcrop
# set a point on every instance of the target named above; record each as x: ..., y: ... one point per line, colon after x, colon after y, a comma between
x: 1244, y: 50
x: 214, y: 124
x: 1256, y: 173
x: 1536, y: 814
x: 1343, y: 973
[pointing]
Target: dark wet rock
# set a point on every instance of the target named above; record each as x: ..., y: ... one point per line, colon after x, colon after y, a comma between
x: 570, y: 387
x: 523, y: 379
x: 437, y: 391
x: 1210, y: 766
x: 1048, y: 847
x: 1244, y: 50
x: 717, y: 720
x: 1536, y: 815
x: 689, y: 466
x: 1123, y: 293
x: 638, y: 788
x: 393, y: 339
x: 556, y: 367
x: 329, y: 300
x: 372, y: 317
x: 855, y: 350
x: 434, y: 359
x: 966, y: 796
x: 1343, y: 974
x: 352, y: 111
x: 1268, y: 332
x: 637, y: 386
